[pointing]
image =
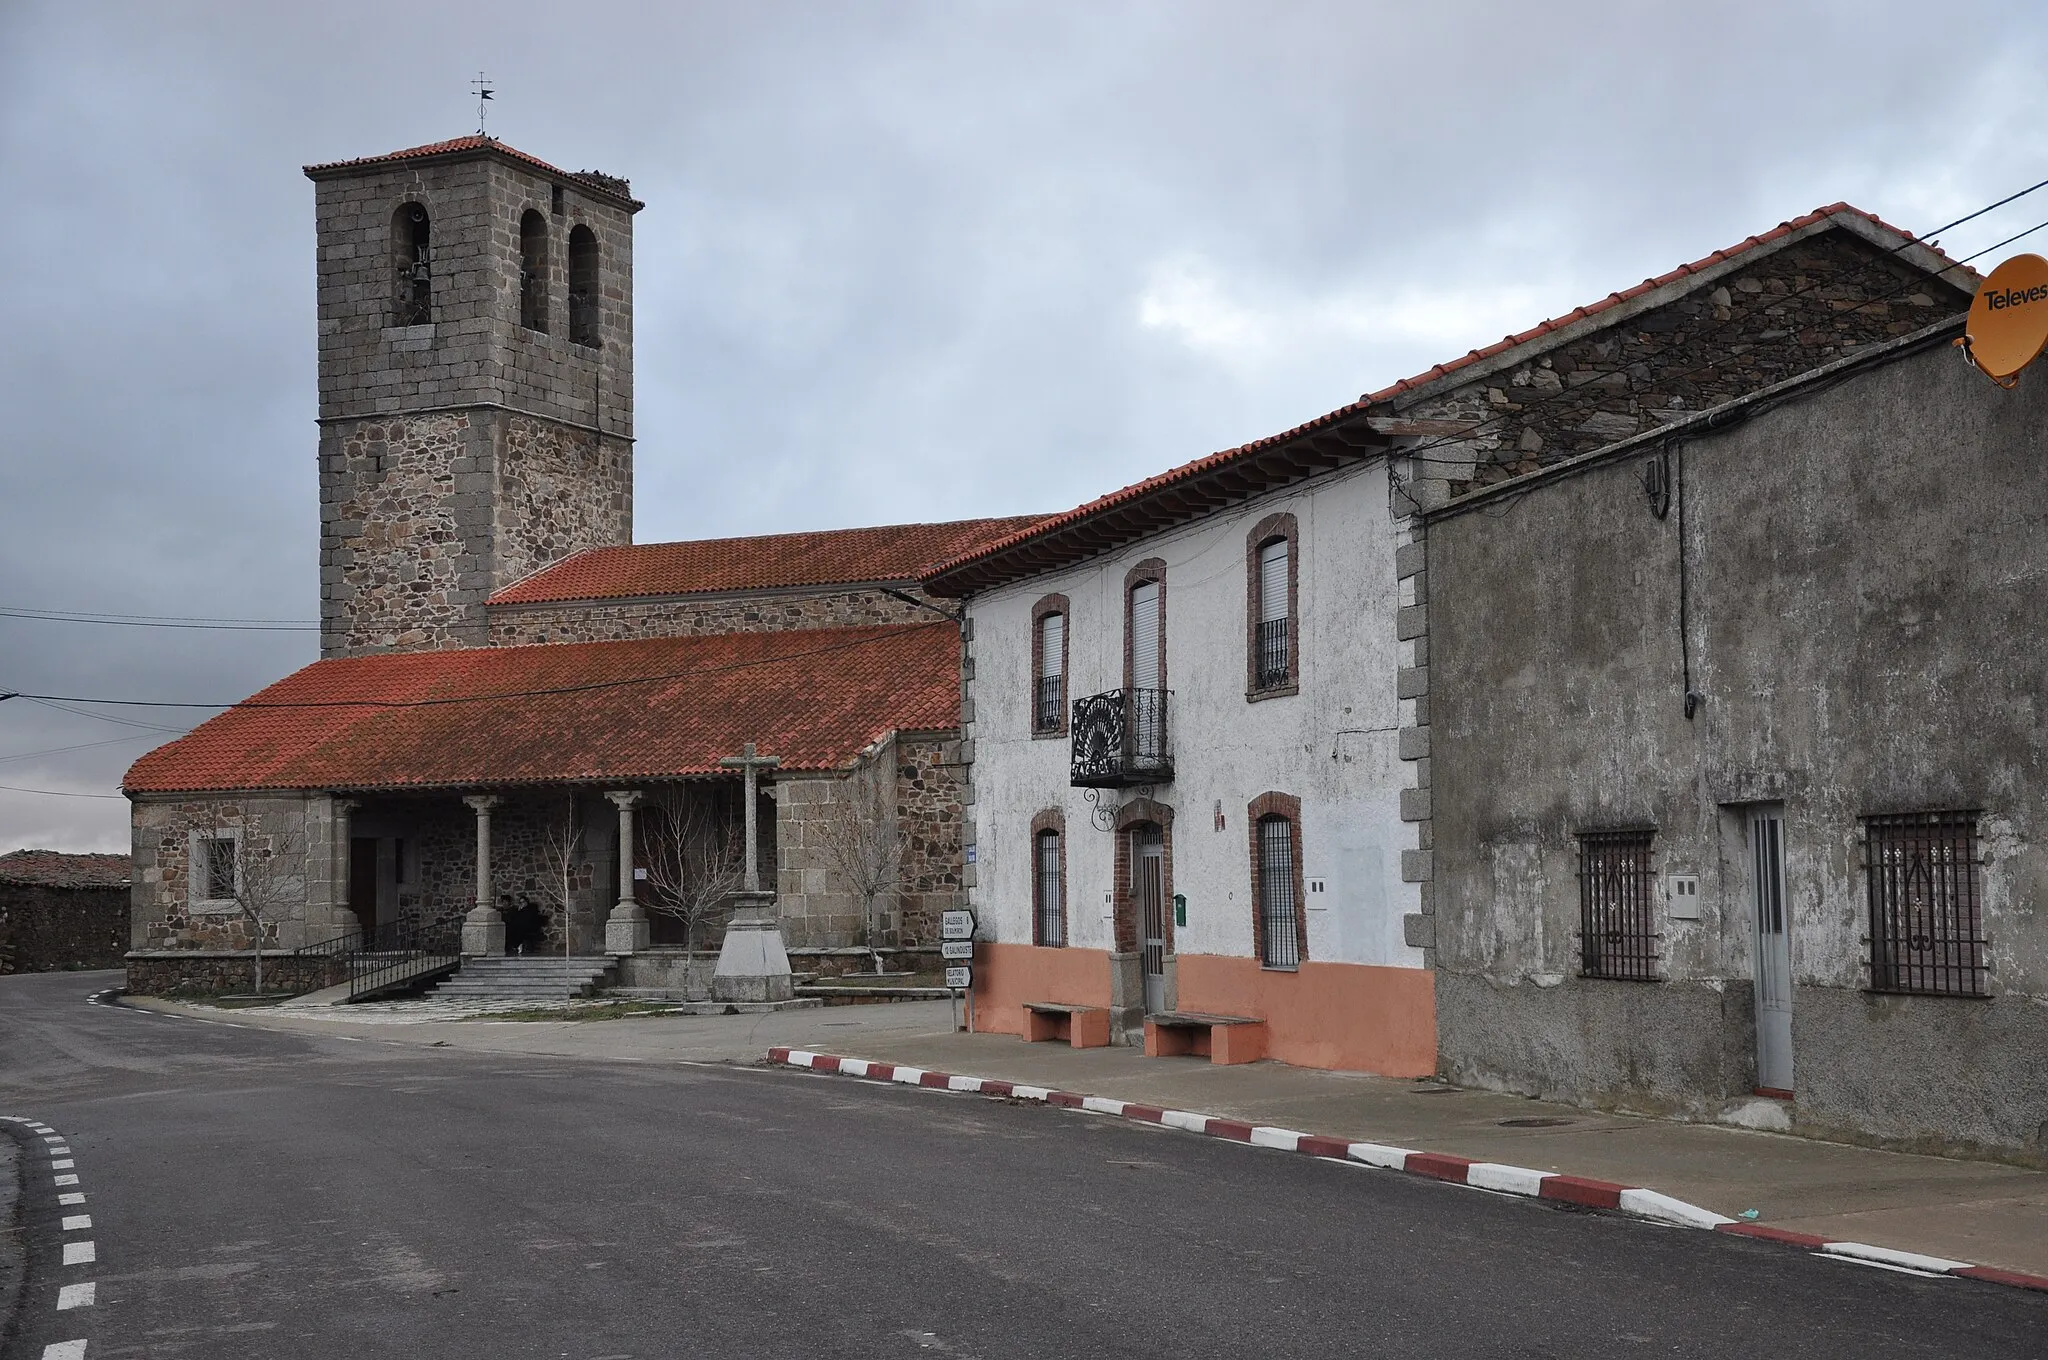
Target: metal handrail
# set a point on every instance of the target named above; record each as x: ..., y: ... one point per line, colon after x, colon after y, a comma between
x: 397, y: 950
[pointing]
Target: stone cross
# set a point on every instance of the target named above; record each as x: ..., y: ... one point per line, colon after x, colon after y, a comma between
x: 749, y: 763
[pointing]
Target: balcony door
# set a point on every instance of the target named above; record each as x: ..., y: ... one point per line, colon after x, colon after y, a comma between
x: 1146, y: 710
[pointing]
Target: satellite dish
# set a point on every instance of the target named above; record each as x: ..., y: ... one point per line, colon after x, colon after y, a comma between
x: 2008, y: 323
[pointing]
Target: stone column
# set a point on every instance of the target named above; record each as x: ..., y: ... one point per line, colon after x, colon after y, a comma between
x: 483, y: 930
x: 342, y: 874
x: 626, y: 930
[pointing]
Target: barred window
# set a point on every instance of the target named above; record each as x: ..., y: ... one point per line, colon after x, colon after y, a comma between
x: 219, y: 867
x: 1926, y: 904
x: 1050, y: 702
x: 1272, y: 665
x: 1279, y: 910
x: 1048, y: 880
x: 1617, y: 897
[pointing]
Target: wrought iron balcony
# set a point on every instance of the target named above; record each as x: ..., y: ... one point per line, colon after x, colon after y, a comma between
x: 1119, y: 739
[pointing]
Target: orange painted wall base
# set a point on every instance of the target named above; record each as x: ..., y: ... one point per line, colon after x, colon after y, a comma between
x: 1353, y: 1017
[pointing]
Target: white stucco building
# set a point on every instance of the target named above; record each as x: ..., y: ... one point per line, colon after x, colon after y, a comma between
x: 1187, y: 755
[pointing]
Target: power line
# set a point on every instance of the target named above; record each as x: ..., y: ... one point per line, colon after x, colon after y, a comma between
x: 82, y: 746
x: 61, y: 793
x: 160, y: 621
x: 583, y: 688
x: 106, y: 717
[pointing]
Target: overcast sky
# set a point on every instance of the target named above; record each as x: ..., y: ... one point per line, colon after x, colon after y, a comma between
x: 899, y: 261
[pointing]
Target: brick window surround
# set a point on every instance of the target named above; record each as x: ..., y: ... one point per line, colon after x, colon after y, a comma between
x: 1051, y: 604
x: 1282, y: 528
x: 1133, y: 817
x: 1052, y: 822
x: 1286, y: 807
x: 1151, y: 569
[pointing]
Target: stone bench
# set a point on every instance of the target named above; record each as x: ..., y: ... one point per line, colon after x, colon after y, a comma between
x: 1219, y: 1038
x: 1080, y: 1026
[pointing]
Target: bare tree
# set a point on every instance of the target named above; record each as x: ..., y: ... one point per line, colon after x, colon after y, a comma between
x: 561, y: 858
x: 260, y: 868
x: 696, y: 858
x: 863, y: 846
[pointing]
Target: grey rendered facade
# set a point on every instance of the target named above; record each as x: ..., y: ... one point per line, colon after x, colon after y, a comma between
x: 1851, y: 567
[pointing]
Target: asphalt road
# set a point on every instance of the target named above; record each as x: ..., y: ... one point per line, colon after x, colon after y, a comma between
x: 262, y: 1194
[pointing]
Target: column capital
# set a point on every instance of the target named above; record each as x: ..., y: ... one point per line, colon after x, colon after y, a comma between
x: 624, y: 798
x: 482, y: 802
x: 344, y: 806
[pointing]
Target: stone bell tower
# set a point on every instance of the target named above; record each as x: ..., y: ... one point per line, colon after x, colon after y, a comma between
x: 476, y: 384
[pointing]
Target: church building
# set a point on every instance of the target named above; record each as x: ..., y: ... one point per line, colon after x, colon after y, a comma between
x: 516, y: 726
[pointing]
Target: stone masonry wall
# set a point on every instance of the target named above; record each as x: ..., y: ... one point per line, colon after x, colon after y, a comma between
x: 558, y: 490
x: 404, y: 543
x: 930, y: 788
x: 1793, y: 310
x: 44, y: 928
x: 916, y: 782
x: 285, y: 838
x: 696, y: 616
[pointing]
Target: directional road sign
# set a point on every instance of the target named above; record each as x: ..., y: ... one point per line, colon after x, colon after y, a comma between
x: 956, y: 925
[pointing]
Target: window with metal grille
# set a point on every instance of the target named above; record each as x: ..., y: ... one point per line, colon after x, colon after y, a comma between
x: 1926, y: 904
x: 1279, y: 911
x: 1050, y: 702
x: 1276, y: 626
x: 1048, y: 879
x: 219, y: 864
x: 1617, y: 899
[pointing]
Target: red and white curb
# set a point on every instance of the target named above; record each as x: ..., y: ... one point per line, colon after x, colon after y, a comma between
x: 1495, y: 1176
x: 62, y: 1169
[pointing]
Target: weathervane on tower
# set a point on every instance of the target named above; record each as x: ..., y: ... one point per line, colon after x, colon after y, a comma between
x: 482, y: 86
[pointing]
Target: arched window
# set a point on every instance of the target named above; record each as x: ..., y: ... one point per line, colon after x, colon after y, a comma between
x: 1145, y: 663
x: 1048, y: 880
x: 533, y: 271
x: 412, y: 266
x: 1049, y: 667
x: 583, y: 285
x: 1273, y: 628
x: 1278, y: 921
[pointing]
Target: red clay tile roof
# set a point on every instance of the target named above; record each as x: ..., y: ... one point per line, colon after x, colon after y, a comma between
x: 605, y: 184
x: 890, y: 552
x: 1056, y: 542
x: 55, y: 869
x: 645, y: 709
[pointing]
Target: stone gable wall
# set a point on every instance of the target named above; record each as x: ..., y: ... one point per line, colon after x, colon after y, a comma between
x: 1793, y: 310
x: 44, y: 928
x: 591, y: 621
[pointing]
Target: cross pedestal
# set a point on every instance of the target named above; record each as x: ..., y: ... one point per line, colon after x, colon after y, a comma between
x: 753, y: 965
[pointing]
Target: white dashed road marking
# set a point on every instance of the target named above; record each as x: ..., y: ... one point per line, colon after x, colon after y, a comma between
x: 82, y: 1293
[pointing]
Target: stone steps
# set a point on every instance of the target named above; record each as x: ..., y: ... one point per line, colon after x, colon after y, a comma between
x: 525, y: 979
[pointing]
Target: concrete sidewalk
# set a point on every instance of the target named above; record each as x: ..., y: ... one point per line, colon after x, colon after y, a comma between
x: 1972, y: 1211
